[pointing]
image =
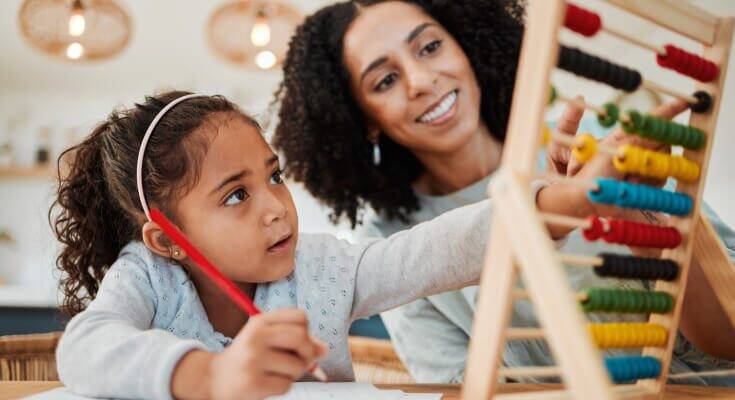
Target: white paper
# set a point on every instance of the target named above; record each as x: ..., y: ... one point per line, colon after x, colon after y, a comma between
x: 299, y: 391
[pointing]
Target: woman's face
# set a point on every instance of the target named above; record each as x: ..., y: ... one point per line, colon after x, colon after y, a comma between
x: 411, y: 78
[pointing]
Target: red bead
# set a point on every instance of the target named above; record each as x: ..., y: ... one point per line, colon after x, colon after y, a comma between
x: 595, y: 231
x: 688, y: 64
x: 582, y: 21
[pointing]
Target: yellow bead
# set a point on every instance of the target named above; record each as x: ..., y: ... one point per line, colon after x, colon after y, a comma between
x: 585, y: 147
x: 628, y: 335
x: 545, y: 135
x: 656, y: 165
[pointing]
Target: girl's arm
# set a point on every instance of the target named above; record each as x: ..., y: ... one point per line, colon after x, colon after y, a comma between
x: 110, y: 350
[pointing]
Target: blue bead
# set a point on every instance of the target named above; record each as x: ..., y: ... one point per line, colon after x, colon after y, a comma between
x: 631, y: 368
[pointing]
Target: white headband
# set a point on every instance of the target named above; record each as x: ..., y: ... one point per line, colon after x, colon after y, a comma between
x: 144, y: 143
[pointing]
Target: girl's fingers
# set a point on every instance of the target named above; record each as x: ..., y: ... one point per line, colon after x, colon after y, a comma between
x: 284, y: 364
x: 294, y: 338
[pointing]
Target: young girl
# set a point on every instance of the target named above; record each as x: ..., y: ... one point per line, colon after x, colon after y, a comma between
x: 148, y: 324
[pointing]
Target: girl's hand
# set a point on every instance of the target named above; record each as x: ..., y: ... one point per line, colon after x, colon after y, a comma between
x: 270, y: 352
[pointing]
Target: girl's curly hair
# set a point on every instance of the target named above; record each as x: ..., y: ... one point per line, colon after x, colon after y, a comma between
x: 323, y: 133
x: 97, y: 210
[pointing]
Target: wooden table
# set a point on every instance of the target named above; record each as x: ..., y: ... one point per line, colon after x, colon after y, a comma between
x: 13, y: 390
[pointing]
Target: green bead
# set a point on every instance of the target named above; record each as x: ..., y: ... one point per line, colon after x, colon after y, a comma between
x: 634, y: 122
x: 552, y: 95
x: 612, y: 113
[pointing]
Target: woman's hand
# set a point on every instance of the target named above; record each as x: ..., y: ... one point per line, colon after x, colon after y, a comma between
x: 271, y: 352
x: 560, y: 160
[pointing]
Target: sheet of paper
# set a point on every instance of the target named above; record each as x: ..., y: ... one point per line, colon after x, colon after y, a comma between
x: 349, y: 390
x: 299, y: 391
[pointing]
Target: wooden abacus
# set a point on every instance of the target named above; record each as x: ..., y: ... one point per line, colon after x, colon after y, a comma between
x: 525, y: 247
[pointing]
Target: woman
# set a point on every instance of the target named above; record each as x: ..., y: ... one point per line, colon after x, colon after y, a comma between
x: 393, y: 112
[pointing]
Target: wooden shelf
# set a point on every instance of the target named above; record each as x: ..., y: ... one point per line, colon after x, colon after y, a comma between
x: 35, y: 172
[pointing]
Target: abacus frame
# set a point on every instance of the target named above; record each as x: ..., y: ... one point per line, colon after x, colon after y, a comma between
x: 526, y: 247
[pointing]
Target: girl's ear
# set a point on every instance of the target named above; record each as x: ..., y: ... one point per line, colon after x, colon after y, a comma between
x: 157, y: 241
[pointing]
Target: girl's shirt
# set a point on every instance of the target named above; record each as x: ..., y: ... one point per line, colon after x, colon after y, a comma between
x: 431, y: 335
x: 147, y: 314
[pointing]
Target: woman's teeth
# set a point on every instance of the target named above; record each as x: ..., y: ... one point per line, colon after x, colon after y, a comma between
x: 441, y: 109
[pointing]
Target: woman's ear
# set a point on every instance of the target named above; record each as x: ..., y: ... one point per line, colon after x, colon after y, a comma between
x: 373, y: 132
x: 157, y: 241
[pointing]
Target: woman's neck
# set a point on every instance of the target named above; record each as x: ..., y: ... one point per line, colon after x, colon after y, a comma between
x: 222, y: 312
x: 447, y: 173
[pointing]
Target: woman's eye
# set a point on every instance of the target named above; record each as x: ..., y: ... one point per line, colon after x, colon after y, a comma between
x: 431, y: 47
x: 237, y: 197
x: 386, y: 82
x: 277, y: 177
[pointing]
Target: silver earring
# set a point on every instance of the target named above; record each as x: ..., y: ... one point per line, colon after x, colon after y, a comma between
x: 376, y: 154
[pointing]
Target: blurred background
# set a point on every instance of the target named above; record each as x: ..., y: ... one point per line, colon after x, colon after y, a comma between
x: 67, y: 63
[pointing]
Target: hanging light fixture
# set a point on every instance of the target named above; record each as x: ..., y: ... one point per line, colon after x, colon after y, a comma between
x: 252, y: 33
x: 77, y: 30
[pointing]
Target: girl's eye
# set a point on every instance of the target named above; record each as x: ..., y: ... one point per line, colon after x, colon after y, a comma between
x: 431, y: 47
x: 277, y: 177
x: 237, y: 197
x: 386, y: 82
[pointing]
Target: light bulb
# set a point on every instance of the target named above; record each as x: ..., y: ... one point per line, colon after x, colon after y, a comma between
x: 261, y: 33
x: 75, y: 51
x: 76, y: 23
x: 265, y: 59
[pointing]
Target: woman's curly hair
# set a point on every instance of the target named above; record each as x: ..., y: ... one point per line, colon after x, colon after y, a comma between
x: 322, y: 131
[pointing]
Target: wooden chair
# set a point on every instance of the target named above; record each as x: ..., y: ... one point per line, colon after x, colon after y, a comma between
x: 375, y: 361
x: 29, y: 357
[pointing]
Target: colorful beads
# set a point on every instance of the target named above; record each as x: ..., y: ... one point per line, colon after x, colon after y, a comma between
x: 585, y: 147
x: 704, y: 102
x: 665, y: 131
x: 634, y: 122
x: 649, y: 163
x: 688, y: 64
x: 626, y: 301
x: 630, y: 195
x: 627, y: 335
x: 597, y: 69
x: 612, y: 113
x: 545, y: 135
x: 630, y: 368
x: 582, y: 21
x: 630, y: 267
x: 552, y: 95
x: 631, y: 233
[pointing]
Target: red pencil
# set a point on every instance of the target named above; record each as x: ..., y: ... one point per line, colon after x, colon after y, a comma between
x: 233, y: 292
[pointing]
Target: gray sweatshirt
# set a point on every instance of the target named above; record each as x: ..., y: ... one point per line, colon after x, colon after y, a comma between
x: 147, y: 314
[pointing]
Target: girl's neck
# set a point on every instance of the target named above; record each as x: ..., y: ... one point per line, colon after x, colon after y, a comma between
x: 447, y: 173
x: 222, y: 312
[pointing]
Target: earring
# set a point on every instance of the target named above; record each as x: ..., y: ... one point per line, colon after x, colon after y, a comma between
x: 376, y: 154
x: 176, y: 252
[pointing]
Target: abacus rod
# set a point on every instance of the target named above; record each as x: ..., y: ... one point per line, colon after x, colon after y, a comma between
x: 579, y: 260
x: 522, y: 294
x: 550, y: 176
x: 524, y: 333
x: 582, y: 104
x: 530, y: 371
x: 632, y: 39
x: 564, y: 220
x: 658, y: 88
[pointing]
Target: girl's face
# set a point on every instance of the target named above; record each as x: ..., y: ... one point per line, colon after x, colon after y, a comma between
x: 411, y: 78
x: 240, y: 213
